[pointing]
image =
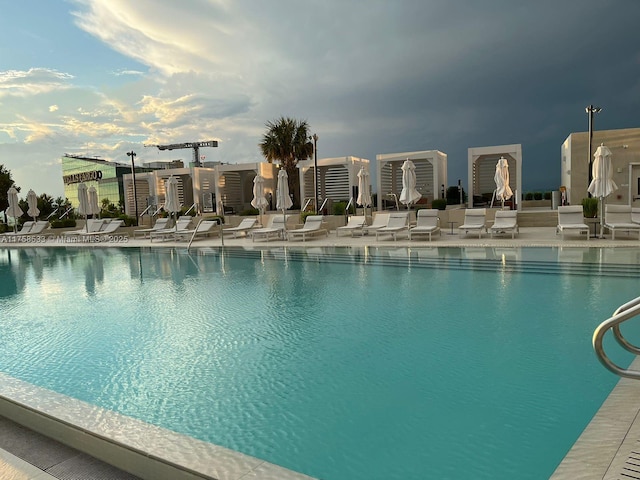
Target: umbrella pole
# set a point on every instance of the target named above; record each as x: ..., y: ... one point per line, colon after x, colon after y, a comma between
x: 601, y: 217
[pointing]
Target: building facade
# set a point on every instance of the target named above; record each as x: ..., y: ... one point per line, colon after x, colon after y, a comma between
x: 106, y: 177
x: 625, y: 161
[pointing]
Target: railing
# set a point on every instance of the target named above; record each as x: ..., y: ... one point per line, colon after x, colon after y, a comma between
x: 145, y: 211
x: 190, y: 208
x: 395, y: 197
x: 622, y: 314
x: 66, y: 213
x: 322, y: 206
x: 346, y: 210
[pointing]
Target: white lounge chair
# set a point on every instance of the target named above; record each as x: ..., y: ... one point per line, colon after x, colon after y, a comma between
x: 427, y: 223
x: 379, y: 220
x: 571, y: 219
x: 161, y: 224
x: 356, y: 223
x: 474, y: 221
x: 26, y: 228
x: 506, y: 221
x: 312, y: 226
x: 243, y: 229
x: 107, y: 228
x: 182, y: 225
x: 91, y: 225
x: 275, y: 228
x: 617, y: 218
x: 398, y: 222
x: 204, y: 229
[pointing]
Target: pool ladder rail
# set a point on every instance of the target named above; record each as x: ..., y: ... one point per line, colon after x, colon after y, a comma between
x: 623, y: 313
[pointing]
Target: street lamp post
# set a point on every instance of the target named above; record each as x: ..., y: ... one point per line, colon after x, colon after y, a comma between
x: 315, y: 171
x: 132, y: 154
x: 590, y: 111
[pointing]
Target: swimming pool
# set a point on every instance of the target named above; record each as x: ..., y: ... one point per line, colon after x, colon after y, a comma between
x: 341, y: 364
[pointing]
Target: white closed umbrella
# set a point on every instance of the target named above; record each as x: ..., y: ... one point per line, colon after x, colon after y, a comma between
x: 409, y: 194
x: 172, y: 201
x: 602, y: 184
x: 13, y: 210
x: 259, y: 201
x: 364, y: 195
x: 94, y: 207
x: 283, y: 200
x: 501, y: 177
x: 32, y: 202
x: 83, y: 203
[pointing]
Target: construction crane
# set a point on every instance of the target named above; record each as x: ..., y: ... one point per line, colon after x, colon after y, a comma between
x: 194, y: 145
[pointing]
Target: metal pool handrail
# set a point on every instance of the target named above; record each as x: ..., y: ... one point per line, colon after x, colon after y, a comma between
x: 622, y: 314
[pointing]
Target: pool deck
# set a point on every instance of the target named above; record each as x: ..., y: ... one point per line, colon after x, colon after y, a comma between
x: 605, y: 450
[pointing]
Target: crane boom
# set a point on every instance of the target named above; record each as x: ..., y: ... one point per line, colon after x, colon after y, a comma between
x: 194, y: 145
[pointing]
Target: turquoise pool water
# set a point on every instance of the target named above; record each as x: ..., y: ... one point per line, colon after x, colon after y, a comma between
x: 420, y: 363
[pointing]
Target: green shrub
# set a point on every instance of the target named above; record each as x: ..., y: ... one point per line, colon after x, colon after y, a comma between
x: 304, y: 215
x: 590, y: 207
x: 64, y: 223
x: 439, y: 204
x: 453, y: 195
x: 128, y: 221
x: 339, y: 208
x: 528, y: 196
x: 547, y: 195
x: 249, y: 212
x: 537, y: 195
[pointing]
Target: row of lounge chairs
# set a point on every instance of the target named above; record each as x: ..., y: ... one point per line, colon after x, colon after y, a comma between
x: 617, y: 218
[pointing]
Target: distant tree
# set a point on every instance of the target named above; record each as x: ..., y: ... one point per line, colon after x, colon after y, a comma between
x: 6, y: 182
x: 287, y: 141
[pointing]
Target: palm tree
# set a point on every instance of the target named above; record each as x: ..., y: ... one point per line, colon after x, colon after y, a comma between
x: 287, y: 141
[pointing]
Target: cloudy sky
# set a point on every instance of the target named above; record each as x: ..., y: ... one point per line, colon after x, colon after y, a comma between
x: 103, y: 77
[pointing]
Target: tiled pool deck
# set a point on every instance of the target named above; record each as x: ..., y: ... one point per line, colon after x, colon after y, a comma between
x: 604, y: 450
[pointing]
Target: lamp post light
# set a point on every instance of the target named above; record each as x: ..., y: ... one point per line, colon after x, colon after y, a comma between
x: 315, y: 170
x: 132, y: 154
x: 590, y: 111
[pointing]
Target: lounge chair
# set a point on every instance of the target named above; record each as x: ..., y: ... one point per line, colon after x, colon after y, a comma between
x: 243, y: 229
x: 182, y: 225
x: 506, y: 221
x: 474, y: 220
x: 356, y: 223
x: 427, y: 223
x: 275, y: 228
x: 26, y: 228
x: 312, y: 226
x: 204, y: 229
x: 571, y: 219
x: 398, y: 222
x: 617, y: 218
x: 107, y: 228
x: 92, y: 225
x: 379, y: 220
x: 161, y: 224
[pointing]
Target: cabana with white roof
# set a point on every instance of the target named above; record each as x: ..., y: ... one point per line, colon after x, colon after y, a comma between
x: 431, y: 176
x: 482, y: 168
x: 337, y: 179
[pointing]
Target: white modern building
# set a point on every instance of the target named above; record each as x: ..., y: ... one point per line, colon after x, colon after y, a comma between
x: 431, y: 176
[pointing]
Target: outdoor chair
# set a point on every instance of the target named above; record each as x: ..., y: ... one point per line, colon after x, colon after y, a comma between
x: 182, y: 225
x: 161, y: 224
x: 474, y: 221
x: 312, y: 226
x: 107, y: 228
x: 506, y: 221
x: 571, y: 219
x: 379, y: 220
x: 617, y: 218
x: 427, y: 223
x: 91, y: 225
x: 356, y: 223
x: 398, y: 222
x: 26, y: 228
x: 275, y: 228
x: 204, y: 229
x: 243, y: 229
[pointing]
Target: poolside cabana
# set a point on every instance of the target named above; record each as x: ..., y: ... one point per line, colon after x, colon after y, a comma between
x: 482, y: 168
x: 337, y: 179
x: 431, y: 176
x: 234, y: 185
